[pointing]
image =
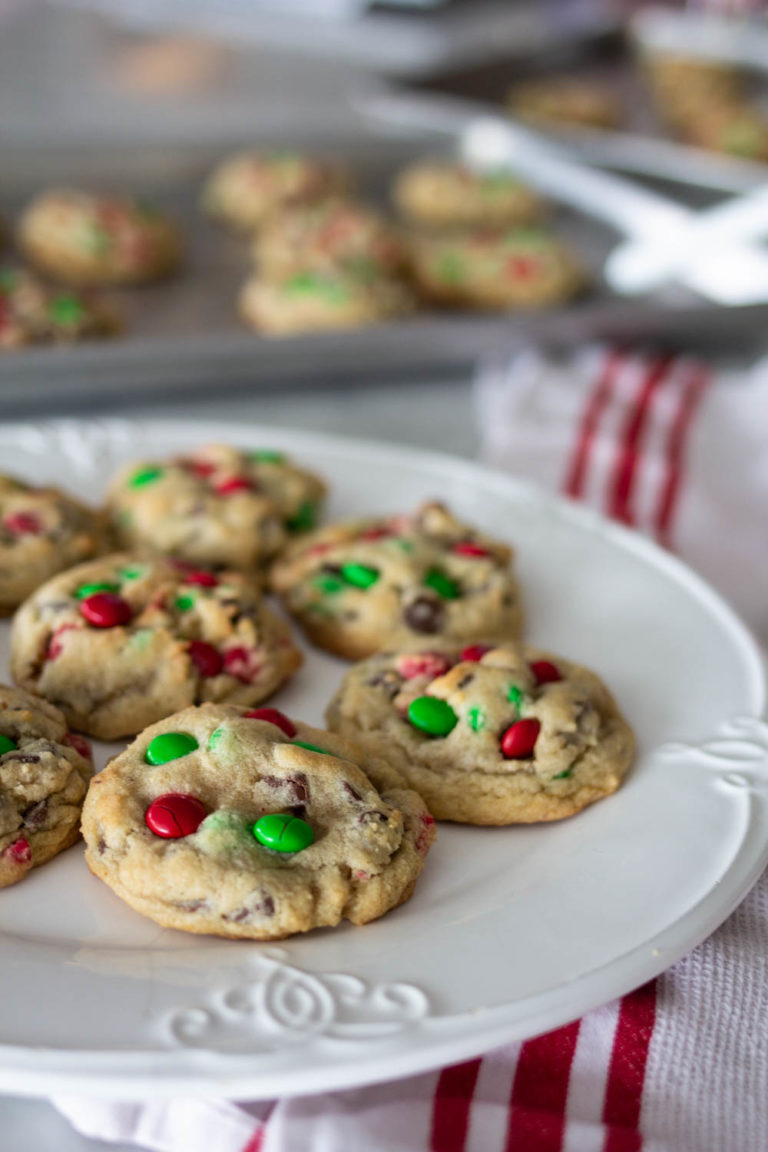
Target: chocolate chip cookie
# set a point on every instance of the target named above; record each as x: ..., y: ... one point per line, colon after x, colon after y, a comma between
x: 86, y: 239
x: 248, y: 824
x: 440, y: 194
x: 246, y: 188
x: 488, y: 734
x: 353, y: 586
x: 42, y: 531
x: 44, y: 774
x: 122, y: 642
x: 215, y: 506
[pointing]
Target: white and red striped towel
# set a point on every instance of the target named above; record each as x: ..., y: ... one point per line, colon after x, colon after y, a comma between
x: 680, y: 1065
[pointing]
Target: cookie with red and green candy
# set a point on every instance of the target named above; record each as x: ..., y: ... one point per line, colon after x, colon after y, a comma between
x: 333, y: 234
x: 514, y: 268
x: 32, y: 312
x: 217, y: 505
x: 42, y: 531
x: 491, y: 733
x: 44, y: 774
x: 321, y: 299
x: 123, y: 641
x: 247, y: 823
x: 443, y: 194
x: 355, y: 585
x: 89, y: 239
x: 247, y: 187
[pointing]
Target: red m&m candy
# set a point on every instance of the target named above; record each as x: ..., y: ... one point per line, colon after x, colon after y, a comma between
x: 201, y: 468
x: 272, y: 716
x: 234, y: 484
x: 18, y: 851
x: 519, y: 740
x: 22, y: 524
x: 199, y: 576
x: 467, y: 548
x: 241, y: 663
x: 545, y: 672
x: 106, y: 610
x: 205, y: 657
x: 430, y: 664
x: 79, y: 743
x: 175, y: 814
x: 474, y: 653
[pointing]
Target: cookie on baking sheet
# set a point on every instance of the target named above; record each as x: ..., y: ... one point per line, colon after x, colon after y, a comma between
x: 335, y: 234
x: 244, y: 189
x: 567, y: 101
x: 442, y: 194
x: 122, y: 642
x: 42, y: 531
x: 681, y: 86
x: 32, y: 312
x: 317, y: 300
x: 247, y: 824
x: 736, y: 129
x: 44, y: 774
x: 353, y: 586
x: 217, y: 505
x: 87, y: 238
x: 488, y: 735
x: 520, y: 268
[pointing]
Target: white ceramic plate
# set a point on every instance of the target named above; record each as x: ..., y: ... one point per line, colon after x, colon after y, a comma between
x: 511, y: 931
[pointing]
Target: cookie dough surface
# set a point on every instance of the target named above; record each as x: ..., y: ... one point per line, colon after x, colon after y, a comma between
x: 366, y: 832
x: 218, y: 505
x: 517, y: 735
x: 32, y: 312
x: 42, y: 531
x: 44, y: 774
x: 246, y: 188
x: 516, y: 269
x: 336, y: 234
x: 87, y: 239
x: 122, y: 642
x: 317, y: 300
x: 442, y: 194
x: 355, y: 585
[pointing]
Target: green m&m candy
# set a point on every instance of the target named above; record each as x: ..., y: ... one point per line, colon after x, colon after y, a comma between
x: 184, y: 602
x: 361, y: 575
x: 328, y: 582
x: 7, y: 745
x: 442, y: 584
x: 66, y: 310
x: 268, y: 456
x: 311, y: 747
x: 432, y: 715
x: 86, y: 590
x: 305, y: 518
x: 283, y: 833
x: 145, y: 476
x: 170, y: 746
x: 515, y: 696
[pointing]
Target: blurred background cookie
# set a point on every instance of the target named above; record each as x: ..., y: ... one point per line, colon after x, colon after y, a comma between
x: 245, y: 188
x: 89, y: 239
x: 32, y: 312
x: 444, y: 194
x: 316, y: 300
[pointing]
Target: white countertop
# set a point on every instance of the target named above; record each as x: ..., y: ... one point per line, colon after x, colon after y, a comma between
x: 437, y: 415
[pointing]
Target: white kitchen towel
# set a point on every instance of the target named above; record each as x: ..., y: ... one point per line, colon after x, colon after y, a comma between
x: 680, y: 1065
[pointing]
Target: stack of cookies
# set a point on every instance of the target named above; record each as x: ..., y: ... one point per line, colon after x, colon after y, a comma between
x: 149, y: 620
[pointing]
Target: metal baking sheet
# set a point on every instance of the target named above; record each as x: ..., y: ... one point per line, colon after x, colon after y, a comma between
x: 642, y: 145
x: 184, y: 335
